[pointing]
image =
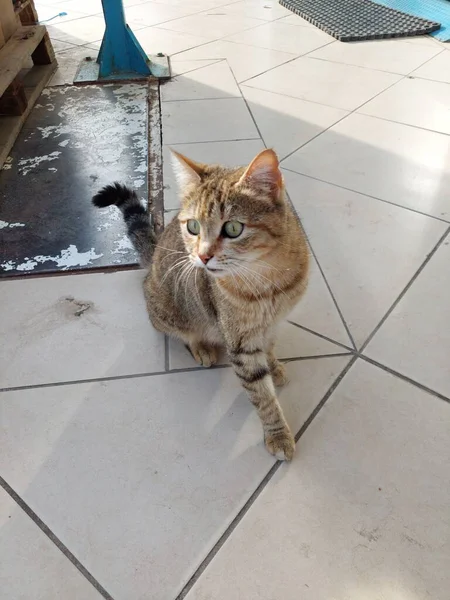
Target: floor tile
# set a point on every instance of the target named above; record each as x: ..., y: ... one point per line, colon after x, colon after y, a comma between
x: 211, y: 25
x: 282, y: 37
x: 153, y: 13
x: 317, y: 311
x: 292, y: 342
x: 140, y: 477
x: 437, y: 69
x: 76, y: 327
x: 395, y: 56
x: 394, y: 162
x: 342, y: 86
x: 50, y: 14
x: 296, y: 21
x: 361, y: 513
x: 287, y: 123
x: 155, y: 39
x: 181, y: 67
x: 80, y: 31
x: 89, y: 7
x: 230, y: 154
x: 211, y: 81
x: 245, y: 61
x: 414, y: 102
x: 31, y: 566
x: 69, y: 62
x: 415, y: 339
x: 369, y: 250
x: 206, y: 121
x: 268, y: 10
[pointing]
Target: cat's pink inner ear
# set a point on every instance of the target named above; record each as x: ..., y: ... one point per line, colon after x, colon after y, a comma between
x: 264, y: 171
x: 187, y: 171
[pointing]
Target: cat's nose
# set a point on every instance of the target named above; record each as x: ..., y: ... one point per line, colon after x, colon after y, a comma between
x: 204, y: 258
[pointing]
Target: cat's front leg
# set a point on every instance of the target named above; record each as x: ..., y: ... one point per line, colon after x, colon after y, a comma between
x: 251, y: 365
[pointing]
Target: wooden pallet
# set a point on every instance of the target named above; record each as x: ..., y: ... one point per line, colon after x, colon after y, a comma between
x: 20, y: 87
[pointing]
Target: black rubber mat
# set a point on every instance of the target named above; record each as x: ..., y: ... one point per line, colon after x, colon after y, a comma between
x: 76, y: 140
x: 353, y: 20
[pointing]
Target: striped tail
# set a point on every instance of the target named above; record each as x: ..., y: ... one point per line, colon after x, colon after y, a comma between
x: 136, y: 217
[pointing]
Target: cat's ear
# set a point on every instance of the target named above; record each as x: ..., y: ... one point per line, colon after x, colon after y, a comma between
x: 264, y: 172
x: 187, y: 171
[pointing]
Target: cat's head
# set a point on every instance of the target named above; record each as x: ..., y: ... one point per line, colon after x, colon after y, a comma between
x: 231, y: 219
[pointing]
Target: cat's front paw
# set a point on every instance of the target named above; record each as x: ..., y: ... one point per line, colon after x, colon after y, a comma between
x: 279, y: 374
x: 280, y: 444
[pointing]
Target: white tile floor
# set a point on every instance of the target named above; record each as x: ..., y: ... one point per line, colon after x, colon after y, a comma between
x: 130, y: 474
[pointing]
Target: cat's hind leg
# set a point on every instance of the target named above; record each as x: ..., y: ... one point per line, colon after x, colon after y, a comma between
x: 277, y: 369
x: 204, y: 353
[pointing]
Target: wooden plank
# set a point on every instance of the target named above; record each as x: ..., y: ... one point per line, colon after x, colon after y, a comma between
x: 16, y: 51
x: 11, y: 126
x: 28, y: 14
x: 14, y: 100
x: 8, y: 19
x: 44, y: 53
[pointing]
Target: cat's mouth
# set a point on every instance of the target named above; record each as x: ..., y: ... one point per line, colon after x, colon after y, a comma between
x: 215, y: 272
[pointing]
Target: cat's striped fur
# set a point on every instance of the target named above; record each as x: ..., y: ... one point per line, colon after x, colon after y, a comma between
x: 247, y: 284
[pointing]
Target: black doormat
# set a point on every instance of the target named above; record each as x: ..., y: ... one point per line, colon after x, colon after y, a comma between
x: 352, y: 20
x: 76, y: 140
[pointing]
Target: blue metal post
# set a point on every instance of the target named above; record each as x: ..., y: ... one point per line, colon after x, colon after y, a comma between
x: 120, y: 54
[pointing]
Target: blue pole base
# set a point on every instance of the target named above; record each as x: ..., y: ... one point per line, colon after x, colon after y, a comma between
x: 121, y: 57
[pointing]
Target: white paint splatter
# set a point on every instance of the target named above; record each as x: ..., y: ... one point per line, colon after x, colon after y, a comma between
x: 4, y: 224
x: 7, y: 164
x: 122, y: 246
x: 104, y: 226
x: 137, y: 183
x: 28, y: 164
x: 70, y: 257
x: 8, y: 266
x: 28, y: 265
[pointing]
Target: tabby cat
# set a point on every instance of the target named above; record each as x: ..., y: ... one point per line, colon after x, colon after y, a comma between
x: 224, y: 272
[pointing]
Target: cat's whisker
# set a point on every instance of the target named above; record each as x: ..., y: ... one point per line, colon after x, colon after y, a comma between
x: 181, y: 262
x: 170, y: 249
x: 260, y: 276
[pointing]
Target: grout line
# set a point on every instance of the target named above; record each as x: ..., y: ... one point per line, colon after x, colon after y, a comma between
x: 356, y: 110
x: 350, y: 112
x: 341, y: 315
x: 343, y: 187
x: 347, y: 64
x: 402, y: 122
x: 407, y: 287
x: 193, y: 369
x: 210, y: 64
x: 330, y: 391
x: 344, y: 322
x: 49, y: 533
x: 254, y: 496
x: 254, y: 139
x: 296, y: 57
x: 247, y: 105
x: 422, y: 387
x: 322, y: 356
x: 229, y: 97
x: 316, y: 136
x: 320, y: 335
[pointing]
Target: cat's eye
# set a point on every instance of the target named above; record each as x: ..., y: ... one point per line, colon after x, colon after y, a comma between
x: 232, y: 229
x: 193, y: 226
